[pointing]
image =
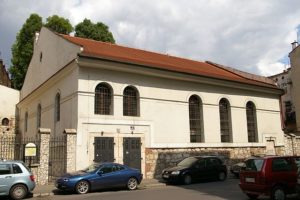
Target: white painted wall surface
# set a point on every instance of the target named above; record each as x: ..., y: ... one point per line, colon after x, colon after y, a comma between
x: 164, y: 114
x: 66, y: 85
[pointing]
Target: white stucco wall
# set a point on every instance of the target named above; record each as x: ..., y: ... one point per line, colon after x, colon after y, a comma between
x: 51, y: 54
x: 8, y: 100
x: 66, y: 85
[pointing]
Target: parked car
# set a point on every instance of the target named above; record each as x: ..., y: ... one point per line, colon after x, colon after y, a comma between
x: 236, y: 168
x: 16, y: 179
x: 196, y: 168
x: 100, y: 176
x: 275, y: 176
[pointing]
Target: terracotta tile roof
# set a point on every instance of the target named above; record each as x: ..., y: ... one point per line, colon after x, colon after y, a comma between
x: 119, y: 53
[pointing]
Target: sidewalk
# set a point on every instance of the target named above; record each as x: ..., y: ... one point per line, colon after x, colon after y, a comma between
x: 50, y: 189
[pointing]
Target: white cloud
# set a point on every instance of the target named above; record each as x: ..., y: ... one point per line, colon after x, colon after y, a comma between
x: 249, y: 35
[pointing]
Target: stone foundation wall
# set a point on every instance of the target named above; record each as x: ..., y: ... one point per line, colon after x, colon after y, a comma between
x: 292, y: 145
x: 158, y: 159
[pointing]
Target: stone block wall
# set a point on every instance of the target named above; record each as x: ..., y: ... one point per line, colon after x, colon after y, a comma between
x: 158, y: 159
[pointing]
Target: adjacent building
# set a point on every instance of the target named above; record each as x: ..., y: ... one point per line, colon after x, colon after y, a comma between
x: 145, y: 109
x: 295, y: 82
x: 4, y: 77
x: 283, y: 80
x: 8, y: 100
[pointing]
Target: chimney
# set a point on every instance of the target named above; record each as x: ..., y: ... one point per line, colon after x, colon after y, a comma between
x: 294, y: 44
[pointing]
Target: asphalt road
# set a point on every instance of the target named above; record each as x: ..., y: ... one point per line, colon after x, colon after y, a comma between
x: 228, y: 189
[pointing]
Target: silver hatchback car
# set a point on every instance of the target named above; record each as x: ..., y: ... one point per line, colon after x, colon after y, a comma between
x: 16, y: 179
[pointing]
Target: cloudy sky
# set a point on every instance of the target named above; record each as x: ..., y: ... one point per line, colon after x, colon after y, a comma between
x: 250, y: 35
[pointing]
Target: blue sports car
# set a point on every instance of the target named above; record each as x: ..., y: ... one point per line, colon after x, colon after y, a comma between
x: 100, y: 176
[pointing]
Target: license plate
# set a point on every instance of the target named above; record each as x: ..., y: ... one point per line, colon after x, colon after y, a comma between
x: 166, y: 176
x: 250, y: 180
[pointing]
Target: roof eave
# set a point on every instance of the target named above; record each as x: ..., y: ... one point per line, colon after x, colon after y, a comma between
x: 91, y: 61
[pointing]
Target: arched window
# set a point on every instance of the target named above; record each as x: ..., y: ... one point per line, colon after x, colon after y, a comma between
x: 57, y: 108
x: 26, y: 122
x: 251, y: 122
x: 130, y: 101
x: 5, y: 122
x: 103, y: 99
x: 225, y: 120
x: 38, y: 116
x: 196, y: 119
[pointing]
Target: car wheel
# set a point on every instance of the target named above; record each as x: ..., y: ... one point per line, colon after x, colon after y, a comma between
x: 278, y: 193
x: 132, y: 183
x: 82, y: 187
x: 18, y: 191
x: 221, y: 176
x: 252, y: 196
x: 187, y: 179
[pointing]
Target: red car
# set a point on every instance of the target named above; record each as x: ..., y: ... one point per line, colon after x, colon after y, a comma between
x: 275, y: 176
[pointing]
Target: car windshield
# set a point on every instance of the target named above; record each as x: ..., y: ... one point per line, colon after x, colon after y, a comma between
x: 91, y: 168
x: 187, y: 162
x: 254, y: 164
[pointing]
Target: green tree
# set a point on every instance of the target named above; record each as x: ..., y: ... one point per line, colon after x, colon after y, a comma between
x: 99, y: 31
x: 59, y: 24
x: 22, y: 49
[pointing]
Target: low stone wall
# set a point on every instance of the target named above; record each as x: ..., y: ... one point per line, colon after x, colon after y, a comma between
x: 158, y: 159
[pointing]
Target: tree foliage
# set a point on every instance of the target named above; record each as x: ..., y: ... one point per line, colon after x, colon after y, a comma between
x: 59, y: 24
x: 22, y: 49
x: 98, y: 31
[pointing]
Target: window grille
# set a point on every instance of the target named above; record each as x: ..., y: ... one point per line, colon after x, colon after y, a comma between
x: 195, y: 115
x: 57, y: 107
x: 103, y: 99
x: 225, y: 123
x: 251, y: 122
x: 130, y: 102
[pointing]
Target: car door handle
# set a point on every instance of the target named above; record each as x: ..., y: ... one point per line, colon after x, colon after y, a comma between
x: 8, y: 176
